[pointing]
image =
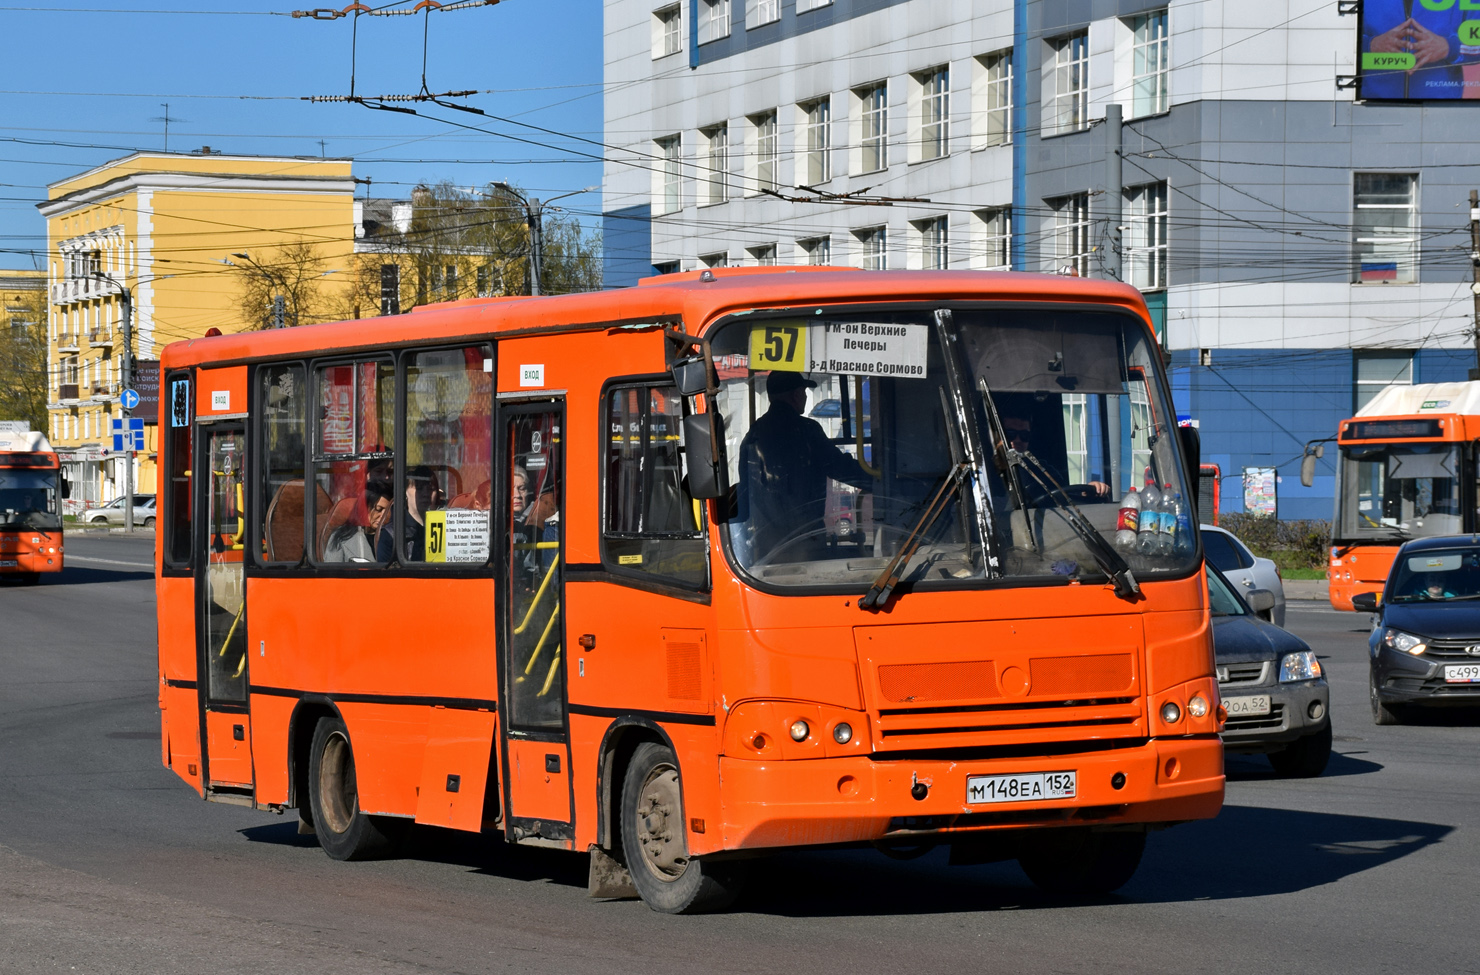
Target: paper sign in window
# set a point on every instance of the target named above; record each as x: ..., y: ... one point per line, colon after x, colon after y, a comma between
x: 457, y: 535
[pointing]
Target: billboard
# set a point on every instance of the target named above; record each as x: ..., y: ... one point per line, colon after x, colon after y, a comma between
x: 1419, y: 50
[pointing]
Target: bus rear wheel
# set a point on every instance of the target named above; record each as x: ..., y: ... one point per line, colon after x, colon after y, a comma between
x: 343, y: 830
x: 1078, y: 862
x: 655, y: 840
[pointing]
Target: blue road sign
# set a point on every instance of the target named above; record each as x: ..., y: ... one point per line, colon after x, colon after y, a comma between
x: 118, y: 447
x: 117, y: 426
x: 129, y: 398
x: 138, y: 439
x: 136, y: 423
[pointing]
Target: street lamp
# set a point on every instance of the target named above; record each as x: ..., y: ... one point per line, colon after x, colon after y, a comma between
x: 126, y: 377
x: 534, y: 219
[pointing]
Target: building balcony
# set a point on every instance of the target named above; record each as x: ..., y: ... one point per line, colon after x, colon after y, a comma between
x: 69, y: 344
x: 100, y: 338
x: 67, y: 394
x: 101, y: 393
x: 80, y: 289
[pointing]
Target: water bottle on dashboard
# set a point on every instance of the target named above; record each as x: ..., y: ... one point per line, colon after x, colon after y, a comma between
x: 1182, y: 540
x: 1150, y: 521
x: 1129, y: 521
x: 1166, y: 536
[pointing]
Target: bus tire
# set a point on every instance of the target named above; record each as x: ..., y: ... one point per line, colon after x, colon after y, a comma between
x: 344, y: 832
x: 655, y: 840
x: 1078, y: 862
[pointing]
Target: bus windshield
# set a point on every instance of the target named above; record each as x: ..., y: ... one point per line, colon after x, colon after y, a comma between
x: 28, y: 499
x: 1398, y: 490
x: 853, y: 435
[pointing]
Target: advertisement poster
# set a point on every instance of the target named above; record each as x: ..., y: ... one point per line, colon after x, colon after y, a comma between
x: 1419, y: 50
x: 1259, y: 490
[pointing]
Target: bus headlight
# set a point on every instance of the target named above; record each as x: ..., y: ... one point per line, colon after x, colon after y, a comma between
x: 1302, y: 665
x: 799, y: 730
x: 1198, y: 706
x: 1170, y: 713
x: 843, y: 733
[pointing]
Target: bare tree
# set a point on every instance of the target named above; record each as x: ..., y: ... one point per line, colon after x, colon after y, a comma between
x: 23, y: 359
x: 294, y: 272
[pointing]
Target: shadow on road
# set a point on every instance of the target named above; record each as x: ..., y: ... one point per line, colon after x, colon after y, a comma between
x: 1256, y: 768
x: 74, y: 575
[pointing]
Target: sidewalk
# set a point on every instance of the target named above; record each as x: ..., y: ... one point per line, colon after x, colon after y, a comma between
x: 1308, y: 589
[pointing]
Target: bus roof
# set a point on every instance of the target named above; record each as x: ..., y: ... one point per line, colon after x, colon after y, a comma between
x: 29, y: 441
x: 1425, y: 399
x: 670, y: 298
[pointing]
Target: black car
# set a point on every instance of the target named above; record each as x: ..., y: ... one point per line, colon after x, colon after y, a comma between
x: 1271, y: 683
x: 1425, y: 642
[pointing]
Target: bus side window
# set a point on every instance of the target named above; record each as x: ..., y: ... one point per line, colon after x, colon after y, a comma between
x: 651, y: 526
x: 449, y: 456
x: 178, y: 442
x: 283, y: 408
x: 353, y: 460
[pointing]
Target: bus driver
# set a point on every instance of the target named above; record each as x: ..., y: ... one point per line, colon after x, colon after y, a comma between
x: 785, y: 461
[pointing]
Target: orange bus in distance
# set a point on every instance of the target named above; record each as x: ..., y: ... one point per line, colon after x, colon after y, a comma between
x: 31, y: 491
x: 1401, y: 475
x: 587, y: 572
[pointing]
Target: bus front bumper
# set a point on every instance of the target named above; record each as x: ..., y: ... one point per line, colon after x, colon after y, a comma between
x: 867, y: 799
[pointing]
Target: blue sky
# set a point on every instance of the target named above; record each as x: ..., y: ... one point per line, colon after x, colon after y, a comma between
x: 86, y: 81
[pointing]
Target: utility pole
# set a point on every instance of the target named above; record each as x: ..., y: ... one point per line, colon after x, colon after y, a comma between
x: 279, y: 307
x: 126, y: 376
x: 1114, y: 202
x: 1475, y: 272
x: 534, y: 217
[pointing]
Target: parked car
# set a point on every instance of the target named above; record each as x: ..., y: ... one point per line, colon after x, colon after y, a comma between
x: 1245, y: 569
x: 1425, y: 642
x: 112, y: 512
x: 1271, y: 683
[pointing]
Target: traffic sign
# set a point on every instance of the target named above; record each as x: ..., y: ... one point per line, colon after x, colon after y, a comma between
x: 129, y: 398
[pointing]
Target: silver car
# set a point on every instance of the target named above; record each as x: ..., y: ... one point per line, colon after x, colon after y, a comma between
x: 112, y: 512
x: 1244, y: 569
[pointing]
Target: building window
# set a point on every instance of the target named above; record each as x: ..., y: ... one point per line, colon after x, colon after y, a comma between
x: 668, y: 175
x: 805, y: 5
x: 665, y: 267
x: 1071, y: 233
x: 715, y: 260
x: 1069, y: 103
x: 758, y: 12
x: 764, y: 255
x: 873, y: 243
x: 996, y: 231
x: 766, y: 151
x: 818, y: 250
x: 1149, y: 64
x: 1146, y: 235
x: 994, y: 97
x: 819, y: 140
x: 717, y: 163
x: 714, y: 20
x: 873, y: 139
x: 1376, y: 371
x: 934, y: 243
x: 667, y: 31
x: 1386, y: 221
x: 935, y: 112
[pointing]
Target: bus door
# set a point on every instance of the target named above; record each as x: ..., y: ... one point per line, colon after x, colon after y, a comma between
x: 223, y: 650
x: 532, y: 647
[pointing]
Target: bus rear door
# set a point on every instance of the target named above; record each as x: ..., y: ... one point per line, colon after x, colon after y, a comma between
x: 222, y: 612
x: 532, y: 654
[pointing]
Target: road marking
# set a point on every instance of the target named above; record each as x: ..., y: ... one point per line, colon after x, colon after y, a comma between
x: 83, y: 558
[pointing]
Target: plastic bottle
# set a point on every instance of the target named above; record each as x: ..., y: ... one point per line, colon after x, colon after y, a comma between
x: 1129, y: 521
x: 1166, y: 537
x: 1182, y: 540
x: 1150, y: 522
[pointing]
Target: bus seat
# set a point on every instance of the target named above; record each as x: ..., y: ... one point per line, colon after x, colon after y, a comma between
x: 462, y: 501
x: 283, y: 524
x: 340, y: 514
x: 483, y: 496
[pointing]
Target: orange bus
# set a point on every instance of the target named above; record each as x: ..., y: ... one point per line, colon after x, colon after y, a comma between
x: 31, y: 493
x: 1401, y: 475
x: 566, y: 569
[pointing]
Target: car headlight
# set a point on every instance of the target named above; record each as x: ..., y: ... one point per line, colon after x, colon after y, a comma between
x: 1404, y: 642
x: 1302, y: 665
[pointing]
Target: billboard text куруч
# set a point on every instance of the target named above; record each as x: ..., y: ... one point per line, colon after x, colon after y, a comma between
x: 1419, y: 49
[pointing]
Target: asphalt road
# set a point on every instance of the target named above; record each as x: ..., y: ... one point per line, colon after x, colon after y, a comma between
x: 110, y: 864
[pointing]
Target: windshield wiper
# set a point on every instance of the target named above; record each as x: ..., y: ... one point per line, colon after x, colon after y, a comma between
x: 1109, y: 560
x: 883, y: 588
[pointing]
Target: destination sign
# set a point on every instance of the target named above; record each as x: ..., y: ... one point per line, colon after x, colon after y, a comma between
x: 845, y: 348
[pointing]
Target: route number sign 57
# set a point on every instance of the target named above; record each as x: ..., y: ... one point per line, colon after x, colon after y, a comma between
x: 779, y: 347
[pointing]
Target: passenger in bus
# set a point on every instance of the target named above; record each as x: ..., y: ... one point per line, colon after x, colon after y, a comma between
x: 1019, y: 432
x: 378, y: 493
x: 785, y: 462
x: 422, y: 495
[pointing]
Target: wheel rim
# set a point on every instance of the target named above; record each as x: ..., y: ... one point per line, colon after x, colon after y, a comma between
x: 337, y: 793
x: 660, y: 833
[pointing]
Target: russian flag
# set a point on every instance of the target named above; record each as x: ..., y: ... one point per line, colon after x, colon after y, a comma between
x: 1387, y: 271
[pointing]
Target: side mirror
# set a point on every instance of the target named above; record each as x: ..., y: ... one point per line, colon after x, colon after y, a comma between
x: 691, y: 376
x: 1308, y: 463
x: 1192, y: 450
x: 66, y: 485
x: 1259, y: 600
x: 1365, y: 602
x: 705, y: 455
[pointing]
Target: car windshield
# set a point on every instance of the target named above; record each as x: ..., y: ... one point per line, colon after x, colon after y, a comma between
x: 1221, y: 597
x: 1398, y: 490
x: 1436, y: 575
x: 1000, y: 442
x: 28, y: 499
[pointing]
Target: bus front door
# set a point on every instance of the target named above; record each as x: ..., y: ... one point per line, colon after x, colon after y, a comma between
x: 532, y: 645
x: 222, y: 613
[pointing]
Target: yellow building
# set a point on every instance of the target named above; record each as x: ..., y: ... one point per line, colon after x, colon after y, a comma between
x: 183, y: 232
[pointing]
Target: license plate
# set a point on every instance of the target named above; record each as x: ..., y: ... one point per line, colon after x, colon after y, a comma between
x: 1020, y: 788
x: 1240, y: 706
x: 8, y: 564
x: 1462, y: 673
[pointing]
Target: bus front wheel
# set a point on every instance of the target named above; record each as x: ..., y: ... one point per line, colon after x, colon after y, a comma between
x: 655, y: 839
x: 1078, y: 862
x: 343, y: 830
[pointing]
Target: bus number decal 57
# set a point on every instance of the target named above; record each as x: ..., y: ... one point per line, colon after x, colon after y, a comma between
x: 782, y: 347
x: 1027, y: 787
